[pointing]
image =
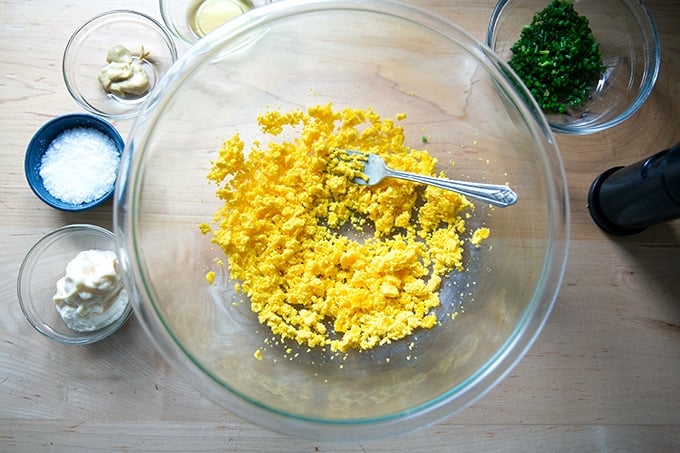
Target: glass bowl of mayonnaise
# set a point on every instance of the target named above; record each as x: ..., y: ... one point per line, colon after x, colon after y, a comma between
x: 70, y: 288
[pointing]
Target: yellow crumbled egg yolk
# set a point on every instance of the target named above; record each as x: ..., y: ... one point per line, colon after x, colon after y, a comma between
x: 327, y: 262
x: 479, y: 235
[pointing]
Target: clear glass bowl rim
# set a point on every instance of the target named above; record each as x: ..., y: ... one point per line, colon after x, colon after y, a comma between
x: 128, y: 189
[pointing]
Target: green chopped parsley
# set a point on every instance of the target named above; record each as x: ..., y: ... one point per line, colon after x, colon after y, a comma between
x: 558, y: 57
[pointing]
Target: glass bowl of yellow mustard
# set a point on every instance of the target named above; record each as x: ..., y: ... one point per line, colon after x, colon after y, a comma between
x: 307, y: 303
x: 114, y: 61
x: 69, y: 286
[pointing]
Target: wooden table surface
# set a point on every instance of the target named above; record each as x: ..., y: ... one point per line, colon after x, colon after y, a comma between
x: 603, y: 375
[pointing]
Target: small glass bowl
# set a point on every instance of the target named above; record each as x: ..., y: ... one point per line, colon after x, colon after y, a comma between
x: 41, y: 141
x: 190, y: 20
x: 44, y: 265
x: 630, y: 51
x: 86, y: 51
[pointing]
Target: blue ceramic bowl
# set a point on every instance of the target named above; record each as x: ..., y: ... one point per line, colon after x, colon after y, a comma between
x: 41, y: 141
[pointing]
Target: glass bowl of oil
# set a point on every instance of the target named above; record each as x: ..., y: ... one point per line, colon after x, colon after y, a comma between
x: 191, y: 20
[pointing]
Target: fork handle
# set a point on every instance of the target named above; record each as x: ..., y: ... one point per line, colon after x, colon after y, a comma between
x: 495, y: 194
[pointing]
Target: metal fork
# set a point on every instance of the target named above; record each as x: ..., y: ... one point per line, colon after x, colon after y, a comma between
x: 375, y: 170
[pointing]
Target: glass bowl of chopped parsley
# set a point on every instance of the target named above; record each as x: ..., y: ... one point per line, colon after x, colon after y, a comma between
x: 589, y: 64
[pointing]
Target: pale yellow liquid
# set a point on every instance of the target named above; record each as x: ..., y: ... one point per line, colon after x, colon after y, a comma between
x: 206, y: 15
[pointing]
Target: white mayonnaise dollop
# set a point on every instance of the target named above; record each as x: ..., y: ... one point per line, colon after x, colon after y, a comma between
x: 91, y: 294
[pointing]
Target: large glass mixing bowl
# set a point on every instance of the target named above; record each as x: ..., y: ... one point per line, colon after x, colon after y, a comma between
x: 462, y: 105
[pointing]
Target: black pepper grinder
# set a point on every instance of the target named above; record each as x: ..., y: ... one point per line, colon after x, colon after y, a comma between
x: 626, y: 200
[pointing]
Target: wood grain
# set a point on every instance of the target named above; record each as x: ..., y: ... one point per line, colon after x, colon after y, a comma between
x: 604, y: 375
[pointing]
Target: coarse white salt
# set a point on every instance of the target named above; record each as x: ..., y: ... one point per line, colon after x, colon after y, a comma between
x: 80, y: 165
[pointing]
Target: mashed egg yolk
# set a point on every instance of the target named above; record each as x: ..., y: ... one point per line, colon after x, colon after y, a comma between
x: 324, y: 261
